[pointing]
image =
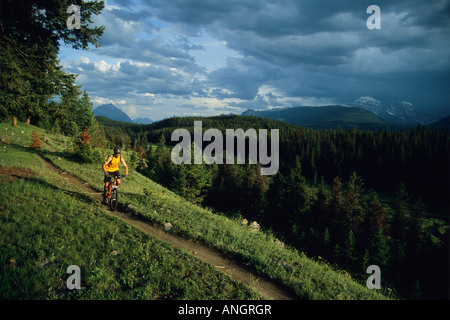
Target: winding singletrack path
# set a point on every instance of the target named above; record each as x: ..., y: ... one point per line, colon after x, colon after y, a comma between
x: 262, y: 285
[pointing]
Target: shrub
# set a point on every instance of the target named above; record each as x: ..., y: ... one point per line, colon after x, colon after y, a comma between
x: 83, y: 148
x: 36, y: 141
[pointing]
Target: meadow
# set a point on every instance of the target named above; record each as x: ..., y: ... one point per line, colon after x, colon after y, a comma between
x: 49, y: 224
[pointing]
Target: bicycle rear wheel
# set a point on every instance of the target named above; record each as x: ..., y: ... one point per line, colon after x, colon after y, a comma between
x: 113, y: 201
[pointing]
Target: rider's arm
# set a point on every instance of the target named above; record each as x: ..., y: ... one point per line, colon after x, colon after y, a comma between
x: 125, y: 165
x: 106, y: 162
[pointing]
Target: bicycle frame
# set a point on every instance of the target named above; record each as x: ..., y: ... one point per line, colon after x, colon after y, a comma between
x: 112, y: 200
x: 111, y: 186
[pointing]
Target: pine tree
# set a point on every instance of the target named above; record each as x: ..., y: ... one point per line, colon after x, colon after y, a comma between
x: 350, y: 256
x: 379, y: 250
x: 161, y: 168
x: 319, y: 215
x: 366, y: 260
x: 85, y: 114
x: 180, y: 182
x: 326, y: 247
x: 254, y: 191
x: 275, y: 213
x: 295, y: 194
x: 337, y: 214
x: 376, y: 215
x: 141, y: 158
x: 83, y: 147
x: 398, y: 233
x: 354, y: 214
x: 400, y: 213
x: 199, y: 179
x: 160, y: 154
x: 31, y: 32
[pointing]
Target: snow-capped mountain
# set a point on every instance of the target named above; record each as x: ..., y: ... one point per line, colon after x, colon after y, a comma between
x: 370, y: 104
x: 401, y: 112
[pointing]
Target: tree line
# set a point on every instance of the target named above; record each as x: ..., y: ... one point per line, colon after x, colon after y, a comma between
x: 383, y: 158
x: 33, y: 86
x: 322, y: 205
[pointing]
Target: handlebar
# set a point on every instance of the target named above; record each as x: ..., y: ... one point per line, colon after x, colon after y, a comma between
x: 117, y: 177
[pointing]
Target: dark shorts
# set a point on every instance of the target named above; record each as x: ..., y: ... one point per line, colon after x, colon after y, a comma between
x: 111, y: 175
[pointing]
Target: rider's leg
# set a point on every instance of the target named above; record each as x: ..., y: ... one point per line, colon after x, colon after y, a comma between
x: 117, y: 181
x: 105, y: 193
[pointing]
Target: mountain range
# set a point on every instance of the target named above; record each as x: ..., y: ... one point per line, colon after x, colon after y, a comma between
x: 112, y: 112
x: 401, y: 112
x: 442, y: 123
x: 363, y: 113
x: 325, y: 117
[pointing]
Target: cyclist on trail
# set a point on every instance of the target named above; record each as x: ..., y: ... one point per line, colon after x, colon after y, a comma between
x: 111, y: 168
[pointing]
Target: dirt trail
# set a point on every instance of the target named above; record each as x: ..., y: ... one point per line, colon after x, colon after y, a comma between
x: 266, y: 288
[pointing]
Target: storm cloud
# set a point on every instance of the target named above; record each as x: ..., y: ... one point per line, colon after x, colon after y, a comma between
x: 162, y: 56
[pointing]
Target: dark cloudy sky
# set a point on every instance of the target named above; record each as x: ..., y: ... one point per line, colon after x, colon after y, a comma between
x: 161, y: 58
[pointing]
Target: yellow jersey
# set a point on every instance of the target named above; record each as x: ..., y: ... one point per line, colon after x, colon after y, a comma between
x: 113, y: 165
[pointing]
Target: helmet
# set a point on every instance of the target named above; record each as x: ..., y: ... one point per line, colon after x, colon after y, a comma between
x: 116, y: 150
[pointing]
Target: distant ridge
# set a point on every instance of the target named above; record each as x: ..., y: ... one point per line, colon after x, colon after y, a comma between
x: 401, y: 112
x: 325, y: 117
x: 112, y: 112
x: 143, y: 121
x: 443, y: 123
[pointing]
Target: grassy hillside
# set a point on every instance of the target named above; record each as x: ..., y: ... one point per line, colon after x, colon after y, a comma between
x: 48, y: 224
x: 56, y: 225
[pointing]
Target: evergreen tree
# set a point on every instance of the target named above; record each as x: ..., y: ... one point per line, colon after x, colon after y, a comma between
x: 141, y: 159
x: 275, y: 213
x: 337, y: 214
x: 161, y: 168
x: 254, y: 191
x: 160, y: 153
x: 398, y: 235
x: 86, y: 116
x: 354, y: 214
x: 326, y: 244
x: 376, y: 215
x: 180, y: 181
x: 30, y: 34
x: 349, y: 252
x: 379, y: 250
x: 295, y: 194
x: 198, y: 178
x: 400, y: 213
x: 414, y: 234
x: 320, y: 207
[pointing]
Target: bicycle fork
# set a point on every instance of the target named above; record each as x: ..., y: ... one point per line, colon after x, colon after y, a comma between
x: 110, y: 189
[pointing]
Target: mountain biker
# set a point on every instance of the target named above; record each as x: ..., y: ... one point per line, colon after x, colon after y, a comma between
x: 111, y: 168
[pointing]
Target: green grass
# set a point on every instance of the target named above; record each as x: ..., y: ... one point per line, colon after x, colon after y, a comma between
x: 46, y: 231
x: 21, y: 136
x: 45, y: 226
x: 260, y: 251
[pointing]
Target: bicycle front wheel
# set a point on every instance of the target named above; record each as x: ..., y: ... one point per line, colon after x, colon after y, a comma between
x: 114, y: 199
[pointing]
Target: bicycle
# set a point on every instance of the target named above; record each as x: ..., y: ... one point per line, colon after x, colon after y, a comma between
x: 112, y: 196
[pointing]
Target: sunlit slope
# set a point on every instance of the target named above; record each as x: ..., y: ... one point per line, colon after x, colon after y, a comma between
x: 260, y: 251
